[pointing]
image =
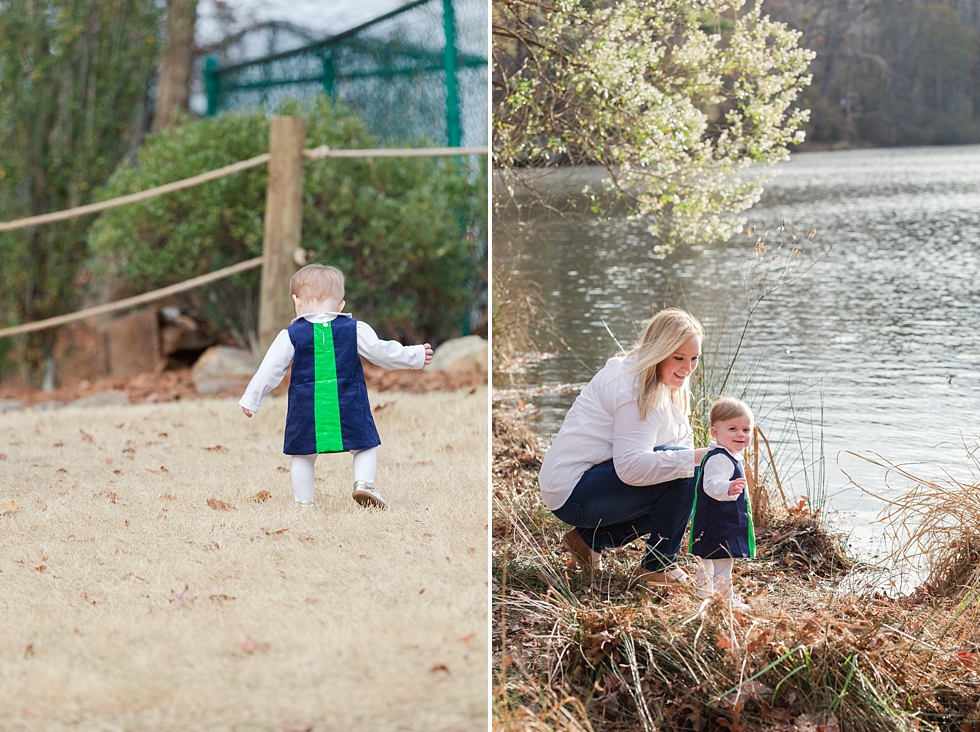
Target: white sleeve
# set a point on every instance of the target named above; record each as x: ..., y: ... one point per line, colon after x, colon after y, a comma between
x: 389, y: 355
x: 717, y: 478
x: 270, y: 373
x: 634, y: 458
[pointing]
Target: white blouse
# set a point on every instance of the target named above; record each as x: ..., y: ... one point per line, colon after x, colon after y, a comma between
x: 386, y: 354
x: 604, y: 423
x: 718, y: 474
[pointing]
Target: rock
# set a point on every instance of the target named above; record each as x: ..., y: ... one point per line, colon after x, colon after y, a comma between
x: 223, y: 368
x: 47, y: 406
x: 133, y: 344
x: 108, y: 398
x: 459, y: 355
x: 7, y: 405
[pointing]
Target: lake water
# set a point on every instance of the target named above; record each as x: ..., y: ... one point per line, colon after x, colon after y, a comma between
x: 875, y: 348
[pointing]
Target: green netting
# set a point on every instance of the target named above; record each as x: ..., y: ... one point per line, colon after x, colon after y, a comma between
x: 418, y: 73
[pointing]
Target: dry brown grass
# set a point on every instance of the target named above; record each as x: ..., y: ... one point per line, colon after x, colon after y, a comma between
x: 128, y: 602
x: 597, y: 653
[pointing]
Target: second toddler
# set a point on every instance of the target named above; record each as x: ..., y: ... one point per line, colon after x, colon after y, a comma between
x: 722, y: 525
x: 328, y: 402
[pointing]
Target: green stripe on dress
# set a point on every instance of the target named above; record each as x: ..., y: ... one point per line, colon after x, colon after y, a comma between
x: 326, y: 401
x: 748, y: 508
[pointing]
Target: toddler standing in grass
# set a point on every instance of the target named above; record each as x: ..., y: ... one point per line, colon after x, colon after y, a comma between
x: 722, y: 525
x: 328, y: 403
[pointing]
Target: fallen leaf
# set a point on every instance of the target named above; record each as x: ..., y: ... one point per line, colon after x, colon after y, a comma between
x: 274, y: 533
x: 40, y: 568
x: 117, y: 472
x: 86, y: 436
x: 383, y: 406
x: 169, y: 497
x: 260, y: 497
x: 29, y: 651
x: 298, y: 728
x: 967, y: 659
x: 217, y: 448
x: 250, y: 645
x: 422, y: 591
x: 59, y: 443
x: 467, y: 638
x: 62, y: 470
x: 111, y: 496
x: 439, y: 667
x: 91, y: 599
x: 221, y: 597
x: 179, y: 599
x: 282, y: 469
x: 3, y: 456
x: 219, y: 505
x: 10, y: 508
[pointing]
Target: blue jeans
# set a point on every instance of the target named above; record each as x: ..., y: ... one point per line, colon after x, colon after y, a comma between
x: 609, y: 513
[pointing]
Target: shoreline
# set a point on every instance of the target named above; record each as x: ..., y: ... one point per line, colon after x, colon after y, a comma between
x: 819, y: 650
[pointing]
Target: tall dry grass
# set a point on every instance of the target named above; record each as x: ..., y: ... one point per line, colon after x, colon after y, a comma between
x: 127, y: 602
x: 597, y: 653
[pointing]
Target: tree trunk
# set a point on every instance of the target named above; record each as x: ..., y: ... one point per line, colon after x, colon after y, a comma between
x: 175, y: 65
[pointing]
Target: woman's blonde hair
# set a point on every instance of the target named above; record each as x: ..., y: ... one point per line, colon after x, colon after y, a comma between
x: 317, y: 282
x: 667, y: 331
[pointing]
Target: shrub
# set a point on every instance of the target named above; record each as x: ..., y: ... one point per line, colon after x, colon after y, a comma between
x: 399, y: 228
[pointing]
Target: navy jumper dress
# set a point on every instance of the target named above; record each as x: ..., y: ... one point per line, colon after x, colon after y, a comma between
x: 721, y: 529
x: 329, y: 409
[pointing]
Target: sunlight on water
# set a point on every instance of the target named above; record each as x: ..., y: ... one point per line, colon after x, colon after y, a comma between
x: 881, y: 334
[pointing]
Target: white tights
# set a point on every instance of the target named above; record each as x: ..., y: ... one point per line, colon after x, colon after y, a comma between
x: 303, y: 471
x: 714, y: 575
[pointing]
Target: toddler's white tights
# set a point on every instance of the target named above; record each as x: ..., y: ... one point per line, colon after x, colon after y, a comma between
x: 714, y: 575
x: 303, y: 472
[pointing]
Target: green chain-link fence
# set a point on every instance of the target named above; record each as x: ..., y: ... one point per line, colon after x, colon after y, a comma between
x: 419, y: 72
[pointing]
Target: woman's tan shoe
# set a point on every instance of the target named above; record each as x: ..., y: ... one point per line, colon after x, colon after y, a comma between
x: 672, y: 577
x: 584, y: 555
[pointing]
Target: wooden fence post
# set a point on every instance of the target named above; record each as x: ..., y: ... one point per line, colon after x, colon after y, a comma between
x: 283, y: 225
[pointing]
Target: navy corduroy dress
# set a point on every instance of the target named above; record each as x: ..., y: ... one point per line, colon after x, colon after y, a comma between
x: 721, y: 529
x: 329, y: 409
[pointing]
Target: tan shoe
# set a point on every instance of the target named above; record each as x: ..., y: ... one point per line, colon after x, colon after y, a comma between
x: 584, y: 555
x: 672, y: 577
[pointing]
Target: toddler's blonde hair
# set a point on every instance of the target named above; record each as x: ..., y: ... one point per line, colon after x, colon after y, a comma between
x: 317, y: 282
x: 667, y: 331
x: 726, y: 408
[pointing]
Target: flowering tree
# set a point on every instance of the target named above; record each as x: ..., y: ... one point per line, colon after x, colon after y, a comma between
x: 675, y: 98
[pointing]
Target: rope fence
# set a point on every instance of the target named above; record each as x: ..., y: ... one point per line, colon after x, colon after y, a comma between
x: 318, y: 153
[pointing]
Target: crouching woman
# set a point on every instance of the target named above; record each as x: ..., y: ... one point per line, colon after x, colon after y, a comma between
x: 621, y: 465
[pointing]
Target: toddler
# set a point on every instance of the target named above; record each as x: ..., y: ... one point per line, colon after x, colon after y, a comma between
x: 328, y: 403
x: 722, y: 525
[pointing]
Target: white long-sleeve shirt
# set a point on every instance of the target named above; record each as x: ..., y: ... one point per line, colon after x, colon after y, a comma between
x: 386, y: 354
x: 718, y: 474
x: 604, y: 423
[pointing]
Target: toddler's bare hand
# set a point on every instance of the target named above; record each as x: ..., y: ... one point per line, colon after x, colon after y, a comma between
x: 428, y: 353
x: 246, y: 412
x: 736, y: 487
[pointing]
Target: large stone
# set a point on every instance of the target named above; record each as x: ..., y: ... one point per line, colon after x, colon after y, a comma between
x: 107, y: 398
x: 460, y: 355
x: 223, y: 368
x: 133, y: 344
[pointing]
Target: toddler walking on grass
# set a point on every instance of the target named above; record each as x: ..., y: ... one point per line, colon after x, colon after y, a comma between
x: 328, y: 408
x: 722, y: 525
